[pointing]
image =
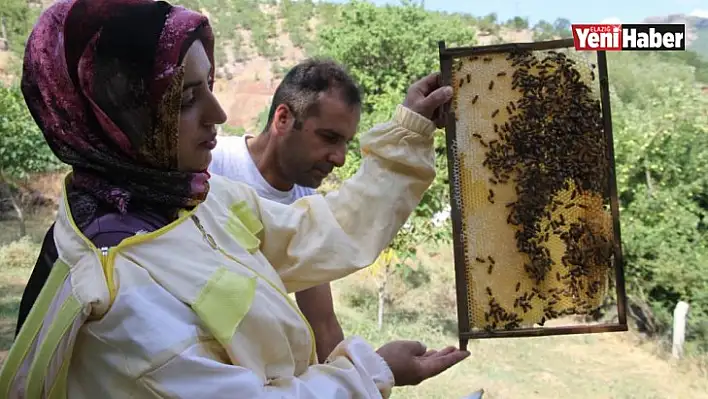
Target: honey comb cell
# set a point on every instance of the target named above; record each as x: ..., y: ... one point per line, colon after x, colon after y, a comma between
x: 532, y: 187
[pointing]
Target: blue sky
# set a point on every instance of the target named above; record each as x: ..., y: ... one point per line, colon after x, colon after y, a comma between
x: 591, y: 11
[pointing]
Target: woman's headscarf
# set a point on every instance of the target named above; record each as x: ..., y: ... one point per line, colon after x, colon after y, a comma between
x: 102, y: 79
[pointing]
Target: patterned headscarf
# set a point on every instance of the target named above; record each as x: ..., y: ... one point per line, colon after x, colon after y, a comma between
x: 103, y: 80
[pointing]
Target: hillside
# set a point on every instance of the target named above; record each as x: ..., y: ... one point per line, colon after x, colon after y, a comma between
x: 696, y: 28
x: 261, y: 40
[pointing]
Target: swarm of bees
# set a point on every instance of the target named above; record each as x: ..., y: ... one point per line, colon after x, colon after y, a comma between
x: 547, y: 142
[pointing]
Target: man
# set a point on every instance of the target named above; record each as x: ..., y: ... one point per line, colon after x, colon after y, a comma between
x: 314, y: 114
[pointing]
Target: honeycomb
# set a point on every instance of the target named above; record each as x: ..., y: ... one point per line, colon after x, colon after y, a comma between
x: 532, y: 177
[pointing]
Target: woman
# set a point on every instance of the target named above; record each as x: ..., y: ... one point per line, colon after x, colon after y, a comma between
x: 171, y: 284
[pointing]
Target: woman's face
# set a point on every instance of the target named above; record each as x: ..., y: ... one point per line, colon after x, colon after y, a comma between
x: 200, y: 112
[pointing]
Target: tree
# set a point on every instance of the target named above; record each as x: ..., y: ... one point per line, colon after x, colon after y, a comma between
x: 561, y: 26
x: 518, y: 23
x: 17, y: 18
x: 399, y: 259
x: 22, y: 149
x: 543, y: 30
x: 488, y: 24
x: 660, y: 138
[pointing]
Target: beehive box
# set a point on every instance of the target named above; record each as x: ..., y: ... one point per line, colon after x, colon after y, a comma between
x: 533, y: 194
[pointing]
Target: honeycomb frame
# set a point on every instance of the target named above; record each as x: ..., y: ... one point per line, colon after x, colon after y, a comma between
x: 471, y: 323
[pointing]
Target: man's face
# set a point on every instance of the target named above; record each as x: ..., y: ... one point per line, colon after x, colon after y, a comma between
x: 307, y: 155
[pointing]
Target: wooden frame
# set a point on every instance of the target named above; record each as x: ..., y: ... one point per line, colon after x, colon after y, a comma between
x: 447, y: 55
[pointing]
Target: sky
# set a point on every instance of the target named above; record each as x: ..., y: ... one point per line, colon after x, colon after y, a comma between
x: 592, y: 11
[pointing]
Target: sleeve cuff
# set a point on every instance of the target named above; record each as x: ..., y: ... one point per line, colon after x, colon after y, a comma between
x: 413, y: 121
x: 365, y: 358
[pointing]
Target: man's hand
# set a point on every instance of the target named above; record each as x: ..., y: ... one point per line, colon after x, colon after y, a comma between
x: 412, y: 364
x: 427, y: 96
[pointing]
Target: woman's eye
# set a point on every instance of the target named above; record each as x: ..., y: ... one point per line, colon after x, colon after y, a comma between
x: 188, y: 100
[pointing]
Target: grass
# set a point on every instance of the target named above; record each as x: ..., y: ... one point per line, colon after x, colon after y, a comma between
x: 612, y: 365
x: 16, y: 261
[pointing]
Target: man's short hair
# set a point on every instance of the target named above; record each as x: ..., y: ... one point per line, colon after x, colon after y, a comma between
x: 302, y: 85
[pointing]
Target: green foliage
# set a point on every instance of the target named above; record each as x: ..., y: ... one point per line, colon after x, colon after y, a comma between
x: 328, y: 12
x: 22, y: 146
x: 18, y: 18
x: 561, y: 27
x: 637, y: 78
x: 297, y: 15
x: 689, y: 57
x: 518, y: 23
x: 660, y: 128
x: 262, y: 119
x: 263, y: 35
x: 387, y: 48
x: 220, y: 58
x: 543, y: 30
x: 700, y: 44
x: 488, y: 24
x: 229, y: 130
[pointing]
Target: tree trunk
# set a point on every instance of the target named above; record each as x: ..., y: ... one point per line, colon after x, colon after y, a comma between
x: 3, y: 30
x: 6, y: 189
x: 20, y: 215
x: 4, y: 41
x: 650, y: 185
x: 382, y: 295
x: 679, y: 330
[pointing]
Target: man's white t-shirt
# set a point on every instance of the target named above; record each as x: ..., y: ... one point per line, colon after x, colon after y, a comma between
x: 232, y: 160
